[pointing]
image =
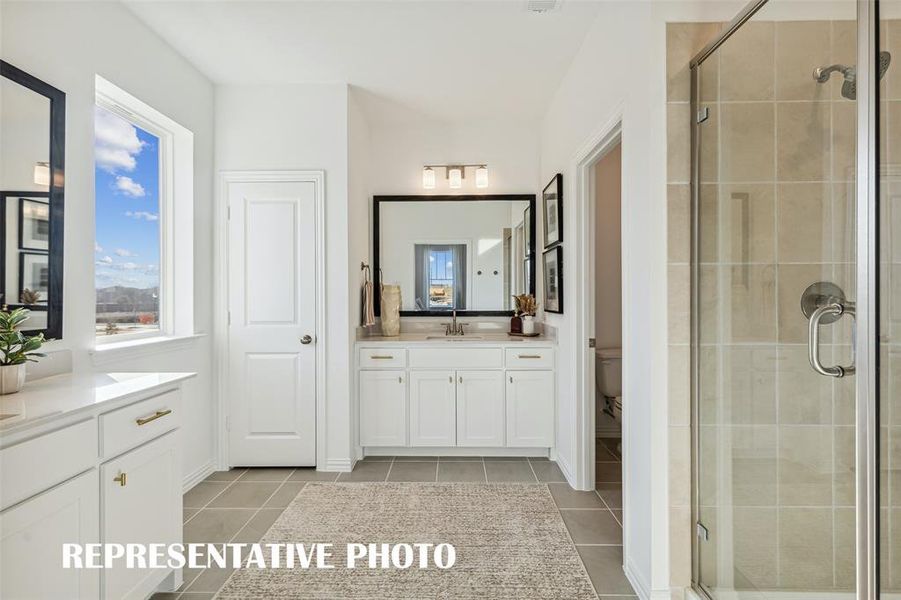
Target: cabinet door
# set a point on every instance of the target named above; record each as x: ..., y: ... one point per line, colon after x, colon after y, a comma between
x: 32, y: 535
x: 530, y: 409
x: 144, y: 508
x: 383, y: 408
x: 480, y: 408
x: 432, y: 408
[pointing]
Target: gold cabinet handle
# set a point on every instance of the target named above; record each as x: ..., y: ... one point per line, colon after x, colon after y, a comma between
x: 529, y: 356
x: 144, y: 420
x: 400, y: 380
x: 121, y: 478
x: 381, y: 357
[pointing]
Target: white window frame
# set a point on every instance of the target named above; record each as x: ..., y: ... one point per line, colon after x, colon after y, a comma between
x: 176, y: 216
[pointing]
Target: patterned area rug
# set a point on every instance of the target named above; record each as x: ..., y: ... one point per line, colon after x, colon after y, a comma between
x: 510, y: 543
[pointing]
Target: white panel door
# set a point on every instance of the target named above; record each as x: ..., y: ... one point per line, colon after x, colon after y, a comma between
x: 272, y: 312
x: 144, y: 508
x: 383, y: 408
x: 432, y: 408
x: 480, y: 408
x: 32, y: 535
x: 530, y: 409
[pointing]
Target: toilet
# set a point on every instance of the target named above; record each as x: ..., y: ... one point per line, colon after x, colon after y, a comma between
x: 609, y: 377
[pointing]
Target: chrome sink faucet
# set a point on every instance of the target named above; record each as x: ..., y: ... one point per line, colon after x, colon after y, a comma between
x: 453, y: 328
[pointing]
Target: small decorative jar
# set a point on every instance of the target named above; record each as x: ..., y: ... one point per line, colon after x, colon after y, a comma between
x: 12, y: 378
x: 528, y: 324
x: 516, y: 324
x: 390, y: 310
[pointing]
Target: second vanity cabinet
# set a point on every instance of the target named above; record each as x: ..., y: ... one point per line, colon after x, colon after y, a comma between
x: 89, y: 460
x: 479, y: 396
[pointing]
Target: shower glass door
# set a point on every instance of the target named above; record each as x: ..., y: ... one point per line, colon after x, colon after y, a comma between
x: 889, y: 298
x: 775, y: 217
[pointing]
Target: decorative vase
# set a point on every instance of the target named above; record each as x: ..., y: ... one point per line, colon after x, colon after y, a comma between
x: 12, y: 378
x: 528, y: 324
x: 390, y: 310
x: 516, y: 324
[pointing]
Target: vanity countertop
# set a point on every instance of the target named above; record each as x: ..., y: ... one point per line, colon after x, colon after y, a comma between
x: 63, y: 396
x: 478, y: 338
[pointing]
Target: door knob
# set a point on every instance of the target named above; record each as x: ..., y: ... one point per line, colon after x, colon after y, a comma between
x: 306, y: 340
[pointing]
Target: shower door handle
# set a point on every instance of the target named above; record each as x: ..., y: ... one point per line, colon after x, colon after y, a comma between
x: 833, y: 311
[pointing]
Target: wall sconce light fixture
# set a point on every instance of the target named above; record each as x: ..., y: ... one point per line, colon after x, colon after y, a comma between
x: 428, y: 178
x: 42, y: 173
x: 455, y: 174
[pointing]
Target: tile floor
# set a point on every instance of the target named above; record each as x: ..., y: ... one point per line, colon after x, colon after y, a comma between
x: 240, y: 505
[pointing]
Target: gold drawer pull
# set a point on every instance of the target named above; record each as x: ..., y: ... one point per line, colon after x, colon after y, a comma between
x: 153, y: 417
x: 530, y: 356
x: 381, y: 357
x: 120, y: 479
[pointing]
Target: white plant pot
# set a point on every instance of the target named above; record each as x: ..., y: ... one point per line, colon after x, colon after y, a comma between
x: 12, y: 378
x: 528, y: 324
x: 390, y: 310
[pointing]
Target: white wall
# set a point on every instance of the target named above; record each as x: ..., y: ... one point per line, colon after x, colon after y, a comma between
x: 619, y: 74
x: 358, y: 201
x: 66, y: 44
x: 399, y: 151
x: 607, y: 251
x: 305, y: 127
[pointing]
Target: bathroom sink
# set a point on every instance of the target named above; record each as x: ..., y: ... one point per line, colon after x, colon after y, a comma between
x: 448, y: 338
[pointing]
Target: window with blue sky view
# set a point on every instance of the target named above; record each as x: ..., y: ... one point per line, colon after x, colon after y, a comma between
x: 127, y: 236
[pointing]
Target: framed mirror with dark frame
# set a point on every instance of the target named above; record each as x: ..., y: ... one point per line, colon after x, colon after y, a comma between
x: 469, y: 253
x: 32, y: 184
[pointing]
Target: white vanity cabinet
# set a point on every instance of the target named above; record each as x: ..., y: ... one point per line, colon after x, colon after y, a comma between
x: 32, y: 535
x: 383, y: 408
x: 141, y: 493
x: 89, y: 460
x: 480, y: 408
x: 530, y: 418
x: 432, y: 408
x: 456, y: 397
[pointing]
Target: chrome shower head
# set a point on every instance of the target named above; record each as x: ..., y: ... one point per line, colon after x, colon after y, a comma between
x: 849, y: 74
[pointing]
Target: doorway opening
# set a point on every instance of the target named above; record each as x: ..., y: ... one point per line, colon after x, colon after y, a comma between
x: 606, y: 288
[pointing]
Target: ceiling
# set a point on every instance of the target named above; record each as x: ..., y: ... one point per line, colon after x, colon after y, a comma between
x: 409, y: 60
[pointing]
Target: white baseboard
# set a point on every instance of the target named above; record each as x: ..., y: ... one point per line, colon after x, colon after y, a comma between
x: 567, y: 471
x: 197, y: 476
x: 339, y: 465
x: 640, y: 586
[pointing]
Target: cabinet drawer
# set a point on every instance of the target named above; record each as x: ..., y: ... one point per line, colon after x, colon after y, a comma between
x: 530, y: 358
x: 383, y: 358
x: 137, y: 423
x: 456, y: 358
x: 42, y: 462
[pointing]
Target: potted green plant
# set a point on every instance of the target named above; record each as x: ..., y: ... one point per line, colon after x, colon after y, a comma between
x: 16, y: 349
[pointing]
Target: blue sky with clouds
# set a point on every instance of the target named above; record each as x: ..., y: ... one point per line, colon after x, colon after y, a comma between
x: 126, y: 187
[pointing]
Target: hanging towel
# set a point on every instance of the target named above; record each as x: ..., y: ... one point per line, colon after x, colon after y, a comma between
x: 368, y: 317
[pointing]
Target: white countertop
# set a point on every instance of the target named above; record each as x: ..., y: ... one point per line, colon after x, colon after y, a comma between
x: 475, y: 339
x: 66, y: 395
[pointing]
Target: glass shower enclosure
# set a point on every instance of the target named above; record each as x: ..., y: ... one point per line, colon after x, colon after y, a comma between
x: 796, y: 303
